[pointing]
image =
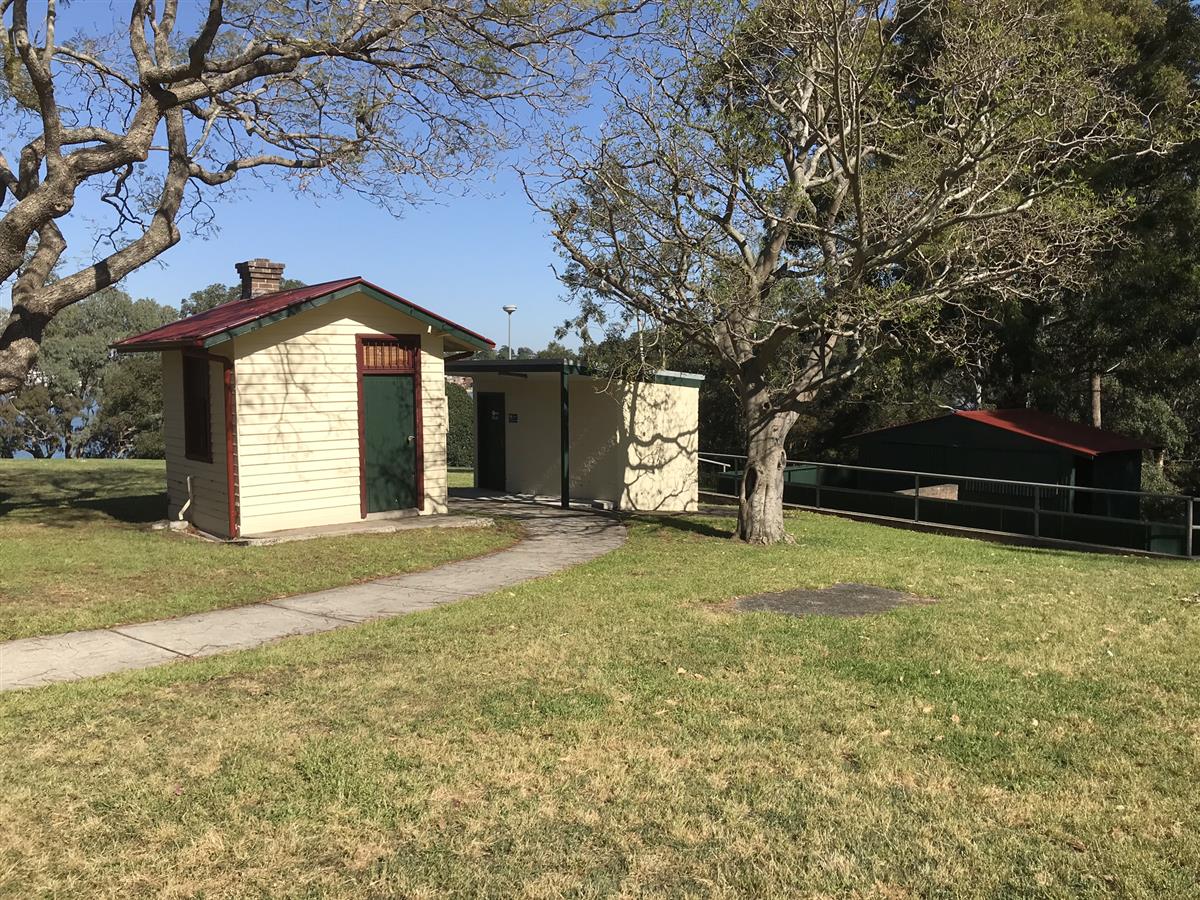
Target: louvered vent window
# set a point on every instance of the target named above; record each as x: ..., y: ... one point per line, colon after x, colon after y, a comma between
x: 388, y: 356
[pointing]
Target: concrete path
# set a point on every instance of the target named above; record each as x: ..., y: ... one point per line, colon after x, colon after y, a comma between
x: 555, y: 540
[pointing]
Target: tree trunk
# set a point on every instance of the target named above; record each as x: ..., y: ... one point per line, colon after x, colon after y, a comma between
x: 1097, y: 418
x: 760, y: 503
x: 20, y: 339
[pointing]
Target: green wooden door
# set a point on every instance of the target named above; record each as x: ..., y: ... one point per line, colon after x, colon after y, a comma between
x: 390, y: 437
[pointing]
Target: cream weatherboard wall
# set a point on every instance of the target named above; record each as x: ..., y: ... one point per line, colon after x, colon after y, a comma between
x: 632, y: 444
x: 209, y: 510
x: 297, y: 415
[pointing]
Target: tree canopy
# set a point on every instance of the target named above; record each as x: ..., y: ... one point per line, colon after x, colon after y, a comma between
x: 798, y: 186
x: 217, y: 293
x: 1130, y: 327
x: 385, y: 98
x: 79, y: 400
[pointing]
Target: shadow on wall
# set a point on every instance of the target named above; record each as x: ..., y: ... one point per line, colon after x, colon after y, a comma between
x: 285, y: 365
x: 298, y: 413
x: 297, y: 410
x: 652, y: 455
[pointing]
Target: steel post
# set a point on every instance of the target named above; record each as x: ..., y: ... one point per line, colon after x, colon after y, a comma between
x: 1037, y: 510
x: 1191, y: 526
x: 564, y: 427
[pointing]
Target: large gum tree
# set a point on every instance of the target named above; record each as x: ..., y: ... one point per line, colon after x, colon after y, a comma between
x: 382, y: 97
x: 793, y: 184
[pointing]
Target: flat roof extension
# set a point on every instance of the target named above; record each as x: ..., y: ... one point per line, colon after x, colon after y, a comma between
x: 529, y: 366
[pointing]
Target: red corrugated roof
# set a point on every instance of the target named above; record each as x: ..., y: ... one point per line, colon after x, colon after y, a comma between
x: 1044, y: 427
x: 1040, y: 426
x: 195, y: 330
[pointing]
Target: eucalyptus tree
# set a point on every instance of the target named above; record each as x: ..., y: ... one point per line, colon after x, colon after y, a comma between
x: 794, y: 184
x: 384, y: 98
x: 215, y: 294
x: 72, y: 401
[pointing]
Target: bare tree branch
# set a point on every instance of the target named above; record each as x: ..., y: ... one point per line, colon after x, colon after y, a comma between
x: 792, y: 183
x: 387, y: 98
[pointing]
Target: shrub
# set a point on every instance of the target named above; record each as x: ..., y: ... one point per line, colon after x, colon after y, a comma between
x: 460, y: 439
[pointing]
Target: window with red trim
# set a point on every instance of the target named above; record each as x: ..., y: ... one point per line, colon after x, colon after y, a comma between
x: 197, y: 409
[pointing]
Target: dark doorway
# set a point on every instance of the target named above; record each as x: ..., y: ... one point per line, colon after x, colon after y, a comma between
x: 489, y: 430
x: 389, y: 442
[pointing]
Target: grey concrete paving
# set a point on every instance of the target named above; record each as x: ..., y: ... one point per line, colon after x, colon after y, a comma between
x: 80, y: 654
x: 375, y: 523
x: 203, y: 634
x: 555, y: 540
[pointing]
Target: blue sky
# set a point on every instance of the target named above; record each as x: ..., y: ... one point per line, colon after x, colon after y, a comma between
x: 462, y: 257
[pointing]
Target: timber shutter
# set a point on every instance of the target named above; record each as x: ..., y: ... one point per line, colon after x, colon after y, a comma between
x: 197, y: 409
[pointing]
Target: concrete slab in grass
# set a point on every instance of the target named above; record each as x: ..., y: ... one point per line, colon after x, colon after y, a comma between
x: 842, y: 599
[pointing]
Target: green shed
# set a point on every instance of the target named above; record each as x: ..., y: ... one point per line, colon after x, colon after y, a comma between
x: 1014, y: 445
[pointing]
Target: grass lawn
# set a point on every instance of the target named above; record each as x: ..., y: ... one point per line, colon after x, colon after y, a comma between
x: 615, y: 730
x: 459, y: 478
x: 75, y: 552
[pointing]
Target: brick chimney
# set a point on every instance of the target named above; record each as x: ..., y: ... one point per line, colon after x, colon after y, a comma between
x: 259, y: 276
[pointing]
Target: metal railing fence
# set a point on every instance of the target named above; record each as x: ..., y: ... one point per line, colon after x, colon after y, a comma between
x: 1104, y: 517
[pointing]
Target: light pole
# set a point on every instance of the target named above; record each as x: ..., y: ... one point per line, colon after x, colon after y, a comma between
x: 510, y: 309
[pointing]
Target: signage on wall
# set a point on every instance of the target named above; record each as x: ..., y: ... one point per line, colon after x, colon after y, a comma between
x: 512, y: 418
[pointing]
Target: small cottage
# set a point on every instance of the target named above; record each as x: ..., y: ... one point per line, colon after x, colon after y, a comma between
x: 294, y: 408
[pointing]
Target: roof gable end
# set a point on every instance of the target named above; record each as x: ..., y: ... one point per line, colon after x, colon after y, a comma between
x: 227, y: 321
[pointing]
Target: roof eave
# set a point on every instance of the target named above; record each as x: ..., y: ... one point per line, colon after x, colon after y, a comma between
x: 1068, y: 446
x: 477, y: 342
x: 466, y: 367
x: 1009, y: 428
x: 154, y: 346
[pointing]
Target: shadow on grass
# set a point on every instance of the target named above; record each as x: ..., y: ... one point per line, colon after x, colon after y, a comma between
x: 703, y: 523
x: 684, y: 523
x: 133, y: 510
x: 69, y: 498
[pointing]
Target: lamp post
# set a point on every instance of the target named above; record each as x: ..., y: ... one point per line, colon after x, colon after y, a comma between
x: 510, y: 309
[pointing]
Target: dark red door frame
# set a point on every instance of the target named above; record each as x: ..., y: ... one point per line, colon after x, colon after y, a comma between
x: 412, y: 341
x: 227, y: 380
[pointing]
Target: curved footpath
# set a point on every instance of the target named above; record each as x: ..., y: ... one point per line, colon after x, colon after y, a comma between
x: 554, y: 540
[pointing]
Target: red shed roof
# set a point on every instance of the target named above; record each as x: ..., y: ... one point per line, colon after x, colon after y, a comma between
x: 219, y: 324
x: 1044, y: 427
x: 1040, y: 426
